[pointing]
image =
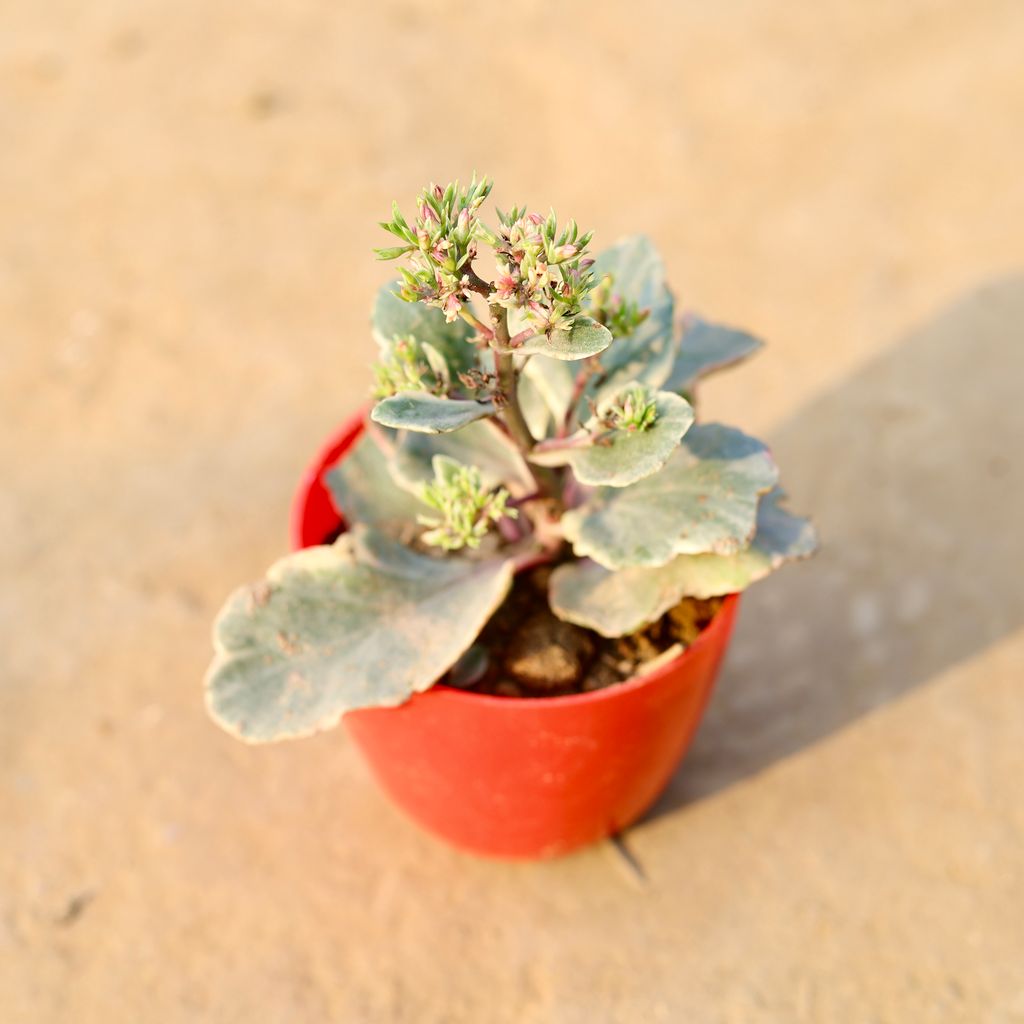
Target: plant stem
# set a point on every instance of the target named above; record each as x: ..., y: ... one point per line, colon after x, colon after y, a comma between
x: 512, y: 410
x: 508, y: 382
x: 482, y: 329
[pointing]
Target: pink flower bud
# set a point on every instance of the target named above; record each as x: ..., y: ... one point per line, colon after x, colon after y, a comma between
x: 451, y: 308
x: 565, y: 252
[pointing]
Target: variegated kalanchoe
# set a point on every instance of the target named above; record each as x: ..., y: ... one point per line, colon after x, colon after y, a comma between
x: 543, y: 412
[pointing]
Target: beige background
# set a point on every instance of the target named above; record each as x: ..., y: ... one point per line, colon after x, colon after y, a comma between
x: 188, y: 196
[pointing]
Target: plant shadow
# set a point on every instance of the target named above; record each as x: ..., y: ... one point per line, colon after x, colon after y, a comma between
x: 911, y: 468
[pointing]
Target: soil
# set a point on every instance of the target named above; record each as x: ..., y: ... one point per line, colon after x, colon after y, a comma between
x: 526, y: 651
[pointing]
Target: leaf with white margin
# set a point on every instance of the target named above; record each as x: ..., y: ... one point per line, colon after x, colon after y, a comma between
x: 534, y: 408
x: 585, y: 338
x: 706, y: 347
x: 363, y: 490
x: 624, y: 457
x: 645, y: 355
x: 704, y: 499
x: 618, y: 603
x: 545, y: 393
x: 395, y: 318
x: 480, y: 444
x: 427, y: 413
x: 554, y: 379
x: 364, y: 622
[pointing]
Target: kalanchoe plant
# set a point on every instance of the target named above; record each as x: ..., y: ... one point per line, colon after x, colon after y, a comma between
x: 546, y: 414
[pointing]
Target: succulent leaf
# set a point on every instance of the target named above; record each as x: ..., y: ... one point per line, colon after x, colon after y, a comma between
x: 411, y: 365
x: 364, y: 491
x: 615, y: 603
x: 638, y: 278
x: 429, y: 414
x: 364, y: 622
x: 706, y: 347
x: 394, y: 319
x: 480, y: 444
x: 585, y: 338
x: 545, y: 393
x: 608, y: 453
x: 704, y: 499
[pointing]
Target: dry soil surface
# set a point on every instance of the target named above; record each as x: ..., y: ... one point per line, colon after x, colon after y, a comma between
x: 188, y: 197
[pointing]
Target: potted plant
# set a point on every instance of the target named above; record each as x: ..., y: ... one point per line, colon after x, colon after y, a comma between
x: 516, y: 577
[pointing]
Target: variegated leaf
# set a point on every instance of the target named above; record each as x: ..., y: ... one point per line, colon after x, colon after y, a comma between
x: 586, y: 338
x: 480, y: 444
x: 704, y: 499
x: 545, y: 393
x: 395, y: 318
x: 364, y: 492
x: 361, y: 623
x: 646, y: 354
x: 615, y: 603
x: 618, y: 458
x: 706, y: 347
x: 427, y: 413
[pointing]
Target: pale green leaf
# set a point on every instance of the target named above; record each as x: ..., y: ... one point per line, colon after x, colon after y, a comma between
x: 480, y: 444
x: 646, y: 354
x: 705, y: 348
x: 586, y: 338
x: 364, y: 491
x: 428, y: 414
x: 395, y: 318
x: 615, y: 603
x: 704, y: 499
x: 624, y: 457
x: 545, y: 393
x: 361, y: 623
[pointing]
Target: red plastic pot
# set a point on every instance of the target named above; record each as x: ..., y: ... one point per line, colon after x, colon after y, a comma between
x: 524, y: 778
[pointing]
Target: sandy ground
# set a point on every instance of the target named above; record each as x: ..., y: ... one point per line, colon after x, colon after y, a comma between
x: 188, y: 196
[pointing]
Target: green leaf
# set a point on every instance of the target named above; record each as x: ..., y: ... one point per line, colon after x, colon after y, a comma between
x: 395, y: 318
x: 586, y: 338
x: 617, y: 603
x: 361, y: 623
x: 480, y: 444
x: 429, y: 414
x: 625, y: 456
x: 705, y: 348
x: 646, y: 354
x: 705, y: 499
x: 364, y: 491
x: 392, y: 253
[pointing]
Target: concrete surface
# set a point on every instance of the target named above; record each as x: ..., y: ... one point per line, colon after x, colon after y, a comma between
x: 188, y: 196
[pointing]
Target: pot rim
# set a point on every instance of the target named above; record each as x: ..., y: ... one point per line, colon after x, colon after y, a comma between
x: 328, y: 455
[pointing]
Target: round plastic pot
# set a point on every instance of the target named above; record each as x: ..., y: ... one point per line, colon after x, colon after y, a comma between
x: 524, y: 777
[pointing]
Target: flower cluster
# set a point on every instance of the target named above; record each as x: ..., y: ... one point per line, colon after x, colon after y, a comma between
x: 441, y: 244
x: 411, y: 365
x: 634, y: 409
x: 619, y: 315
x: 542, y: 272
x: 466, y: 508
